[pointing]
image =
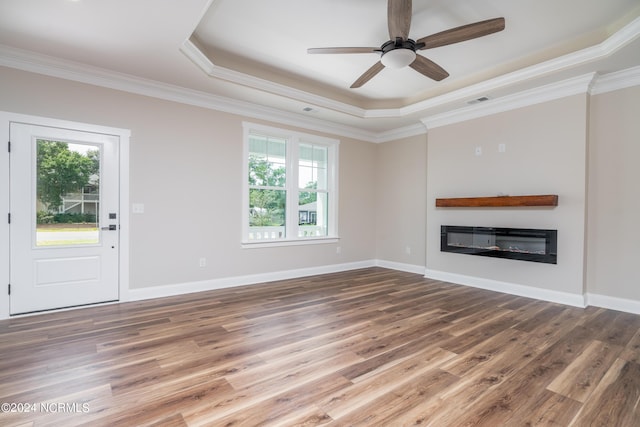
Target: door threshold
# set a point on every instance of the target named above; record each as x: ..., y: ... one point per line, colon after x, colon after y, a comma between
x: 62, y: 309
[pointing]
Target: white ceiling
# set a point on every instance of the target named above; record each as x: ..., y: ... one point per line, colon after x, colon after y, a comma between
x: 253, y: 52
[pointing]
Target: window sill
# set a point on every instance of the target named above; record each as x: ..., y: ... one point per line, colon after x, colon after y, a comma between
x: 284, y: 242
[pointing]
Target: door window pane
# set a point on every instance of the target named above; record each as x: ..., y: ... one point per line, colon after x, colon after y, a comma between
x: 67, y: 193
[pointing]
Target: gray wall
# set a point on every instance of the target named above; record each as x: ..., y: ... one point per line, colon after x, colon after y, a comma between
x: 614, y: 195
x: 545, y: 154
x: 401, y: 191
x: 186, y: 169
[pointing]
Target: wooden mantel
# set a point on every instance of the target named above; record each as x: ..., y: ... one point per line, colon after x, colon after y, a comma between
x: 498, y: 201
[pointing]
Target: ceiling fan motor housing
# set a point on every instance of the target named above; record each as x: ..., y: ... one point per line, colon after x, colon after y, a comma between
x: 399, y: 53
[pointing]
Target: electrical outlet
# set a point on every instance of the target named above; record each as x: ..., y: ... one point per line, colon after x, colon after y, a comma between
x: 202, y: 262
x: 502, y: 148
x: 338, y: 250
x: 478, y: 151
x: 407, y: 250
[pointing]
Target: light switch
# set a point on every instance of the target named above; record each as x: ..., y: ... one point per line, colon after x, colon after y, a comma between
x: 137, y: 208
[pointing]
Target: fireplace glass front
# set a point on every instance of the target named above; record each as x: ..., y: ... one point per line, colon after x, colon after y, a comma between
x: 523, y: 244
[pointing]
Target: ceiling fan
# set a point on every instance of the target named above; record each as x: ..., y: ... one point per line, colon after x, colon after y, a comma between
x: 400, y: 51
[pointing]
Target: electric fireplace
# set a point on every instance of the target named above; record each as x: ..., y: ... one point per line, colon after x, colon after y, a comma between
x: 525, y: 244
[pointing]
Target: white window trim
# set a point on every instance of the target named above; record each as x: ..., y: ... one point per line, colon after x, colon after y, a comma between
x: 293, y: 138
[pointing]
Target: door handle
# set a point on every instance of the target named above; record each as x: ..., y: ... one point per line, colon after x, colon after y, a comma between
x: 111, y: 227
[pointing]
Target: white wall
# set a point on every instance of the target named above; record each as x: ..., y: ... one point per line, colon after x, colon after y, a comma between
x: 545, y: 154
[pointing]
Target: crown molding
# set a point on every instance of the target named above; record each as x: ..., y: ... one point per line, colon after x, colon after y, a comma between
x: 399, y: 133
x: 606, y: 48
x: 589, y: 83
x: 617, y: 80
x: 569, y: 87
x: 75, y: 71
x: 191, y: 51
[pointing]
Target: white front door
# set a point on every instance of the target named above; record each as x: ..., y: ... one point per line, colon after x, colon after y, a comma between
x: 64, y: 223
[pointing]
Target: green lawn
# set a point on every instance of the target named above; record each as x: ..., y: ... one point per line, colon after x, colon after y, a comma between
x: 62, y: 235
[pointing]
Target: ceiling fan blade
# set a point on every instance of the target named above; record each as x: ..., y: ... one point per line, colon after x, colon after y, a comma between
x: 429, y: 68
x: 343, y: 50
x: 399, y: 18
x: 460, y: 34
x: 368, y: 75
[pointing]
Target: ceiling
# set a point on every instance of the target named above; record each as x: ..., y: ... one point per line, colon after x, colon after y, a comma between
x: 253, y: 53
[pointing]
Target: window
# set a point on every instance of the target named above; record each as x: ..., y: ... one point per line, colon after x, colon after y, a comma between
x: 289, y: 187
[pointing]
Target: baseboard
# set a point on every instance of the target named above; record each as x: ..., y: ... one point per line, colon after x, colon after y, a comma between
x: 229, y: 282
x: 614, y: 303
x: 576, y: 300
x: 409, y: 268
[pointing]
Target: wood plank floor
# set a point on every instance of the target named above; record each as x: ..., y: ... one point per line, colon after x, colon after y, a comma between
x: 370, y: 347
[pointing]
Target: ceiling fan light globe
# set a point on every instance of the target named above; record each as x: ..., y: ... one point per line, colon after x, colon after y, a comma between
x: 398, y: 58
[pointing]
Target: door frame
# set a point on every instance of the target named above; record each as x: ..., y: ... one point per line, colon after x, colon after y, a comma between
x: 5, y: 256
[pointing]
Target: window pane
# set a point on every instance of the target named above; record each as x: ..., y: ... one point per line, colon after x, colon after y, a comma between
x: 267, y: 161
x: 267, y: 217
x: 312, y: 214
x: 68, y: 193
x: 312, y: 166
x: 321, y: 179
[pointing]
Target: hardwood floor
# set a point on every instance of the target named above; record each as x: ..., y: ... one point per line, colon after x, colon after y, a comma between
x: 371, y: 347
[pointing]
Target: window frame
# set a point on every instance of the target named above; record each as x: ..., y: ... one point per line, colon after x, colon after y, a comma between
x: 293, y: 139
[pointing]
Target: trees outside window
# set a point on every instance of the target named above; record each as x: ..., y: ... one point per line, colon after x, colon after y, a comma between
x: 290, y: 189
x: 63, y: 170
